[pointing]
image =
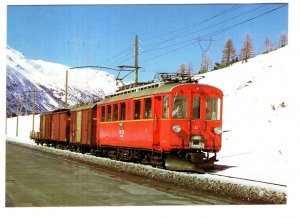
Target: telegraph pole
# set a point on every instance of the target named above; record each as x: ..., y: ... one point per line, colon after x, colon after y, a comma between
x: 34, y: 91
x: 66, y: 90
x: 136, y: 54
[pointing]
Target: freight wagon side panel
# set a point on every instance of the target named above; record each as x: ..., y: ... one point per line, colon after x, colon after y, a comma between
x: 94, y: 126
x: 42, y: 126
x: 64, y: 126
x: 78, y: 126
x: 48, y: 129
x: 85, y: 120
x: 73, y: 127
x: 55, y: 127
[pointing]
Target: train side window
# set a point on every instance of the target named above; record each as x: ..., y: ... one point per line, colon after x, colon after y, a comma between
x: 102, y: 113
x: 137, y: 109
x: 109, y: 113
x: 196, y: 107
x: 166, y: 107
x: 123, y: 111
x: 115, y: 112
x: 179, y: 107
x: 212, y: 109
x: 147, y: 111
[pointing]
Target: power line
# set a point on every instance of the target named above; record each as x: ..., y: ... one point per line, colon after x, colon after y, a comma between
x: 193, y: 41
x: 211, y: 26
x: 196, y: 24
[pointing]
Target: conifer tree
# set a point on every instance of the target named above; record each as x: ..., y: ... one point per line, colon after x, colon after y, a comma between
x: 247, y: 50
x: 228, y: 52
x: 267, y: 45
x: 283, y: 40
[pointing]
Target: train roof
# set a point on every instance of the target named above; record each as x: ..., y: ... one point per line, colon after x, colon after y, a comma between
x: 146, y: 90
x: 83, y: 107
x: 57, y: 111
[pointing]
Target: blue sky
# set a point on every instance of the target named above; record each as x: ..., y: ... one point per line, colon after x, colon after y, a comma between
x: 169, y: 35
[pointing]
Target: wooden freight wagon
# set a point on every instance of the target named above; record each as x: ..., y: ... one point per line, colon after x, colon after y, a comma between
x: 83, y: 126
x: 45, y: 126
x: 60, y: 126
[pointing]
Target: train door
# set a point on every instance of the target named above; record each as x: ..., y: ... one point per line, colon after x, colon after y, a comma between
x: 197, y: 121
x: 157, y: 105
x: 78, y: 126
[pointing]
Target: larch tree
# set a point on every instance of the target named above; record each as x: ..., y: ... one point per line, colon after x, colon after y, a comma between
x: 267, y: 45
x: 283, y: 40
x: 228, y: 52
x: 190, y: 69
x: 247, y: 50
x: 182, y: 69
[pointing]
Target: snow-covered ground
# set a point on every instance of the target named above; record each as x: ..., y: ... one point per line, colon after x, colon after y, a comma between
x: 258, y: 108
x: 257, y: 113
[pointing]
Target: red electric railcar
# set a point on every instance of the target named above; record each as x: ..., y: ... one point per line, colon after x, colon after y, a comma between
x: 171, y: 124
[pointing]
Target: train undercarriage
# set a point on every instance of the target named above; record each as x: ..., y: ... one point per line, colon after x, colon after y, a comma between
x: 176, y: 160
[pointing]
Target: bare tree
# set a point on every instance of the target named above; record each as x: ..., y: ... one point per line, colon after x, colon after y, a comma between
x: 205, y: 63
x: 228, y: 52
x: 182, y: 69
x: 247, y: 50
x: 190, y: 69
x: 283, y: 40
x: 267, y: 45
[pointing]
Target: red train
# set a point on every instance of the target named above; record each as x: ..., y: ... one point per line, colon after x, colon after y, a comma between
x: 173, y: 125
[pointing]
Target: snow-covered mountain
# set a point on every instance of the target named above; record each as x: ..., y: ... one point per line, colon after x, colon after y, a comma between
x: 23, y: 75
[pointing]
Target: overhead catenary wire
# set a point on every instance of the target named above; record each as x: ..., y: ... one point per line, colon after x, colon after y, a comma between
x: 184, y: 29
x: 209, y: 27
x: 194, y: 40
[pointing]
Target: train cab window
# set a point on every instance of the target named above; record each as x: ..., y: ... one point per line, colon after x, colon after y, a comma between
x: 137, y: 109
x: 166, y: 107
x: 196, y: 107
x: 179, y: 110
x: 102, y: 113
x: 115, y: 113
x: 212, y: 109
x: 108, y: 113
x: 123, y: 111
x: 147, y: 111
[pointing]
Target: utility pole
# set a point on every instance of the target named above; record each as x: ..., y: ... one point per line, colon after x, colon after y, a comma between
x: 33, y: 107
x: 136, y: 54
x: 18, y: 98
x: 34, y: 91
x: 66, y: 90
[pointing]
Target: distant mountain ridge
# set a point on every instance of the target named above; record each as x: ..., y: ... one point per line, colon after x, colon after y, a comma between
x: 24, y: 75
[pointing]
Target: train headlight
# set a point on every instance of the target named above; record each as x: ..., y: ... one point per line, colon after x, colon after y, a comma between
x: 176, y: 129
x: 218, y: 130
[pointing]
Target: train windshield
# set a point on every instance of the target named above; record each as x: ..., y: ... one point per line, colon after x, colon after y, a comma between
x: 213, y: 109
x: 179, y: 107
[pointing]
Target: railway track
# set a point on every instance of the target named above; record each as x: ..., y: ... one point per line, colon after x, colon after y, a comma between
x: 245, y: 179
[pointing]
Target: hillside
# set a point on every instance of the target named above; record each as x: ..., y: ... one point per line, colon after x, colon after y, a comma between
x: 257, y: 113
x: 23, y: 74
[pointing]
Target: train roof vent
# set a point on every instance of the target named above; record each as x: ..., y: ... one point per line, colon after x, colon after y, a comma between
x: 137, y: 88
x: 176, y: 78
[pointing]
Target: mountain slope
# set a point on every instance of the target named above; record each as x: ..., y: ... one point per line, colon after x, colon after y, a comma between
x: 23, y: 75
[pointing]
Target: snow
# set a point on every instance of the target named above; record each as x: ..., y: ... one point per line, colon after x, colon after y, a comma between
x: 258, y: 98
x: 259, y: 106
x: 24, y: 74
